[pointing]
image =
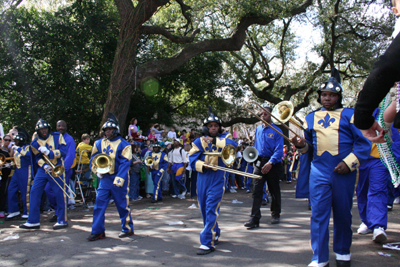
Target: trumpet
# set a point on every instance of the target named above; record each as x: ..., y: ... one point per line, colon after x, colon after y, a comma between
x: 57, y: 171
x: 283, y: 109
x: 228, y: 158
x: 148, y: 161
x: 102, y: 163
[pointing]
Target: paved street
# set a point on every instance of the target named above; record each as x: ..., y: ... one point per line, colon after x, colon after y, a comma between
x: 156, y: 243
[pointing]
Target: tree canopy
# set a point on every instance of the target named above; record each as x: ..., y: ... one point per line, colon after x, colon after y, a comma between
x: 167, y: 61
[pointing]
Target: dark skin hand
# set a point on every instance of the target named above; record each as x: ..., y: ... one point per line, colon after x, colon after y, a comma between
x: 342, y: 168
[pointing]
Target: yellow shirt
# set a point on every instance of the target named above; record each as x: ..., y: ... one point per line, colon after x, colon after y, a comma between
x: 85, y: 156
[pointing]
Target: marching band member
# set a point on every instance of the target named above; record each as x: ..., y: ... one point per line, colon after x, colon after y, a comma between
x: 69, y: 164
x: 54, y: 147
x: 338, y: 148
x: 115, y: 183
x: 21, y: 179
x: 210, y: 182
x: 158, y: 168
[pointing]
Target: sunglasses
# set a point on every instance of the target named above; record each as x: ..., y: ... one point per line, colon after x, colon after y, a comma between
x: 7, y: 140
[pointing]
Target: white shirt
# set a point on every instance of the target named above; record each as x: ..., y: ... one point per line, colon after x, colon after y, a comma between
x: 172, y: 135
x: 178, y: 156
x: 396, y: 28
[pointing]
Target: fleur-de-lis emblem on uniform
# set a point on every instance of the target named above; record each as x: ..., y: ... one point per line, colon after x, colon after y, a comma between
x: 155, y: 158
x: 327, y: 121
x: 354, y: 165
x: 119, y: 181
x: 108, y: 150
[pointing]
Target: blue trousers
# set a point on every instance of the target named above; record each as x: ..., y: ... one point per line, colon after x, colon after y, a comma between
x: 157, y: 192
x: 134, y: 185
x: 178, y: 186
x: 210, y: 190
x: 50, y: 194
x: 334, y: 193
x: 39, y: 183
x: 372, y: 193
x: 105, y: 192
x: 20, y: 180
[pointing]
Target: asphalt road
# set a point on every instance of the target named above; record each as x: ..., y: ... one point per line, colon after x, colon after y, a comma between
x: 156, y: 243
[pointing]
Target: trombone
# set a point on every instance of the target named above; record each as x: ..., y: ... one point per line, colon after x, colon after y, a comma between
x: 148, y: 161
x: 3, y: 161
x: 228, y: 156
x: 102, y: 163
x: 57, y: 171
x: 284, y: 110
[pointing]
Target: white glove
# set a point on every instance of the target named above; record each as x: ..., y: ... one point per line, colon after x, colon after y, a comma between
x: 47, y: 168
x: 99, y: 175
x: 151, y: 166
x: 14, y: 147
x: 44, y: 150
x: 7, y: 165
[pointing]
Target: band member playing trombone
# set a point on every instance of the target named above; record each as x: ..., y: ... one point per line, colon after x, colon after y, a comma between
x: 269, y: 145
x: 21, y: 179
x: 158, y: 167
x: 114, y: 179
x: 69, y: 161
x: 338, y: 148
x: 52, y: 146
x: 210, y: 181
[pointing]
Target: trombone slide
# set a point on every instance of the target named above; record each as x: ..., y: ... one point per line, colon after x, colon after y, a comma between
x: 250, y: 175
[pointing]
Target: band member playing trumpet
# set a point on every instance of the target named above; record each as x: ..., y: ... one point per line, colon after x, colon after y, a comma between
x: 53, y: 146
x: 21, y: 179
x: 158, y: 167
x: 114, y: 182
x: 210, y: 181
x: 269, y: 145
x: 338, y: 149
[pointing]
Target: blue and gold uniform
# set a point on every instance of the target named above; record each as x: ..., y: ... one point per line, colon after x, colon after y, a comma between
x: 55, y: 143
x: 210, y: 185
x: 114, y: 184
x: 160, y: 163
x: 372, y: 190
x: 21, y: 180
x: 334, y: 139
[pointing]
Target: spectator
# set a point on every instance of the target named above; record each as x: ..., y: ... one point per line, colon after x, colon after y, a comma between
x: 133, y: 128
x: 172, y: 133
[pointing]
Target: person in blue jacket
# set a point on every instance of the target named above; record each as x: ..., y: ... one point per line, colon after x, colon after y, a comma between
x: 158, y: 168
x: 113, y: 184
x: 338, y: 149
x: 52, y: 145
x: 22, y: 177
x: 210, y: 181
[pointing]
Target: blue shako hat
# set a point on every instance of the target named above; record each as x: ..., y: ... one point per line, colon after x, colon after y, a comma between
x: 332, y: 85
x: 211, y: 118
x: 112, y: 122
x: 22, y: 136
x: 41, y: 123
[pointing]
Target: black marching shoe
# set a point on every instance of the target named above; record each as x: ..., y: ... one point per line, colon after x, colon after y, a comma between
x: 59, y: 226
x: 94, y: 237
x: 251, y: 224
x: 125, y: 234
x: 204, y: 251
x: 275, y: 220
x: 340, y: 263
x: 30, y: 226
x: 53, y: 219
